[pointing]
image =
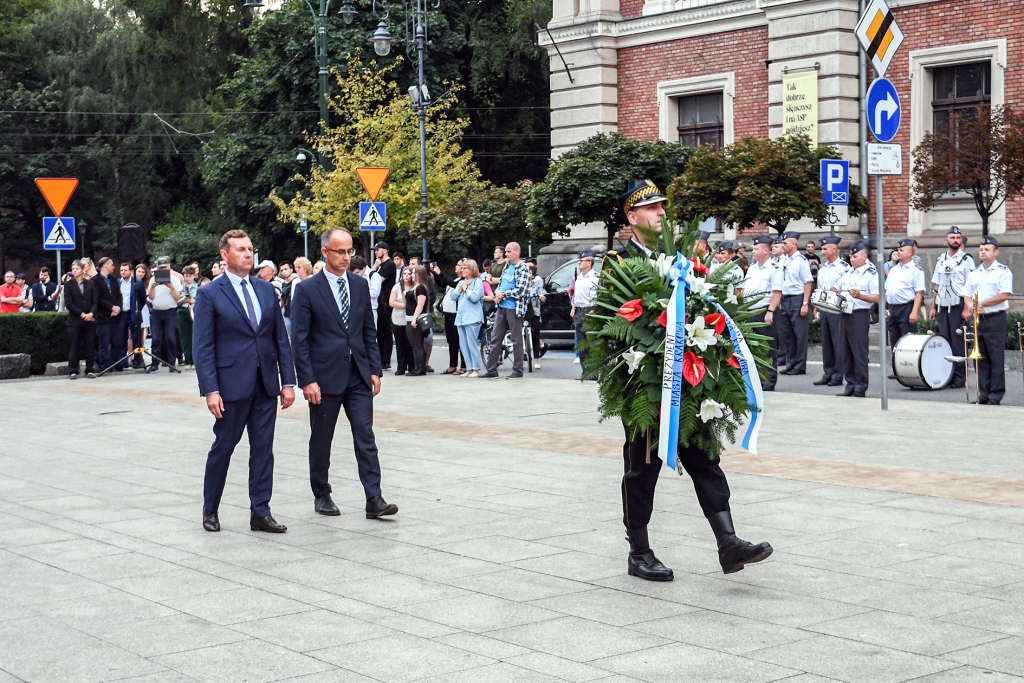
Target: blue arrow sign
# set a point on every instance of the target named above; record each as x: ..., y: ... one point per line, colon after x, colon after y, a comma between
x: 835, y: 181
x: 883, y: 109
x: 373, y: 216
x: 59, y: 233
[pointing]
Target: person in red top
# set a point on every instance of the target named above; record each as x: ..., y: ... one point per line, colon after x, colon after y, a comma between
x: 10, y: 294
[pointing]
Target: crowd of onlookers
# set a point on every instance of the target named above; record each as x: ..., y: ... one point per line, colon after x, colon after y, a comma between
x: 114, y: 308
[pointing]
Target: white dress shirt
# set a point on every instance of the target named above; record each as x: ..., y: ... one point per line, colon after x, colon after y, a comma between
x: 332, y: 280
x: 761, y: 281
x: 735, y: 274
x: 796, y: 272
x: 373, y: 279
x: 951, y: 275
x: 988, y: 282
x: 864, y: 280
x: 126, y: 292
x: 903, y: 283
x: 236, y: 284
x: 829, y: 273
x: 585, y: 290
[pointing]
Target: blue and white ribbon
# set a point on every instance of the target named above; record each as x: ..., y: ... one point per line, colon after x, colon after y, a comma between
x: 752, y: 381
x: 672, y: 376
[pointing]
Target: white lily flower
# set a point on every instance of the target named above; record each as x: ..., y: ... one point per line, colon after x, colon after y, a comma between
x: 700, y: 336
x: 700, y: 286
x: 710, y: 409
x: 730, y: 298
x: 633, y: 358
x: 664, y: 264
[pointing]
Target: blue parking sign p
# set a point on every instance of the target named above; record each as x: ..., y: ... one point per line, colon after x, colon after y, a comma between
x: 835, y: 181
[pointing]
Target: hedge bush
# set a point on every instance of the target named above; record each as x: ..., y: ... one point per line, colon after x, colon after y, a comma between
x: 43, y: 336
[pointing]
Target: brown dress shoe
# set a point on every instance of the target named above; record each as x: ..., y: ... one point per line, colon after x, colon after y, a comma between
x: 210, y: 520
x: 268, y: 524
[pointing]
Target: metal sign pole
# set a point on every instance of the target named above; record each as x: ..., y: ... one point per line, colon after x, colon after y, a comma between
x: 883, y: 336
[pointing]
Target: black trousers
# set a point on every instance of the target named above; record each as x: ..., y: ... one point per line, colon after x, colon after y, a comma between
x: 793, y: 331
x: 992, y: 344
x: 579, y: 326
x: 385, y: 338
x: 831, y: 350
x: 323, y: 418
x: 417, y: 353
x: 641, y: 478
x: 81, y: 346
x: 451, y: 334
x: 899, y: 322
x: 853, y: 345
x: 105, y: 339
x: 402, y: 349
x: 258, y: 416
x: 534, y: 321
x: 950, y: 320
x: 163, y: 325
x: 773, y: 346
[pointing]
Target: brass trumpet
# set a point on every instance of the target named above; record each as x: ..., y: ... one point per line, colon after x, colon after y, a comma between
x: 976, y: 352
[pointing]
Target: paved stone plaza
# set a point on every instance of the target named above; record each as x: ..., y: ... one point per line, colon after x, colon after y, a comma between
x: 899, y: 541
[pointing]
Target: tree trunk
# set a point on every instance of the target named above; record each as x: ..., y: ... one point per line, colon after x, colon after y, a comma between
x: 984, y: 223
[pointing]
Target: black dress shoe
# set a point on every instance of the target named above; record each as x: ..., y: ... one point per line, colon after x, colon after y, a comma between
x: 268, y: 524
x: 994, y: 401
x: 399, y: 372
x: 821, y: 382
x: 210, y: 520
x: 797, y: 372
x: 847, y: 392
x: 641, y: 562
x: 325, y: 506
x: 767, y: 387
x: 514, y: 375
x: 860, y: 394
x: 733, y: 552
x: 983, y: 400
x: 956, y: 386
x: 891, y: 376
x: 378, y: 507
x: 152, y: 368
x: 836, y: 384
x: 73, y: 375
x: 489, y: 375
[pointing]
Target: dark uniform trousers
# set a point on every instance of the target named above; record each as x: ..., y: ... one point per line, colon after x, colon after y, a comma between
x: 831, y: 351
x: 899, y: 322
x: 579, y: 326
x: 950, y: 320
x: 793, y: 330
x: 773, y: 345
x: 641, y: 478
x: 853, y: 348
x: 992, y: 344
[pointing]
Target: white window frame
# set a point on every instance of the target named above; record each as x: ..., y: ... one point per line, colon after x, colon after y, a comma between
x: 922, y: 63
x: 669, y: 93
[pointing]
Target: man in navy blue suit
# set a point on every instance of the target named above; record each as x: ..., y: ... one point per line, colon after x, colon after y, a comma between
x: 337, y: 363
x: 240, y: 348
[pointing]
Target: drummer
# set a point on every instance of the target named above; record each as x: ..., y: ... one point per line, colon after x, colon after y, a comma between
x: 725, y: 256
x: 829, y: 273
x: 860, y: 283
x: 993, y: 282
x: 763, y: 281
x: 949, y: 277
x: 904, y: 293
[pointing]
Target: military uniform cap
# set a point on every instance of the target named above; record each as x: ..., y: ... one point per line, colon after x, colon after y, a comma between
x: 764, y: 239
x: 587, y: 253
x: 641, y: 192
x: 791, y: 236
x: 705, y: 234
x: 725, y: 246
x: 953, y: 230
x: 859, y: 245
x: 831, y: 239
x: 989, y: 239
x: 907, y: 243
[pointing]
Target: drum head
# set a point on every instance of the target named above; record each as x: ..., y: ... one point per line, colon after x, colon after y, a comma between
x: 936, y: 369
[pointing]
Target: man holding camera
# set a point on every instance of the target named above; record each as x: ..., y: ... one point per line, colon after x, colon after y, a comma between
x: 164, y: 293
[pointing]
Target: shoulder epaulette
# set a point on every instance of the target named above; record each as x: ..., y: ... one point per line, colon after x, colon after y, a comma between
x: 871, y: 269
x: 1000, y: 265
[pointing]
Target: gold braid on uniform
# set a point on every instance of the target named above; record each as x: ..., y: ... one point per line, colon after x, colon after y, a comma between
x: 645, y: 191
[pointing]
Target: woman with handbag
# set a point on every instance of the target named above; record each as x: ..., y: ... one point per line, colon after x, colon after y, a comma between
x: 419, y: 321
x: 469, y: 295
x: 398, y: 322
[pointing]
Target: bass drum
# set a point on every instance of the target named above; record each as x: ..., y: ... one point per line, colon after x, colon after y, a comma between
x: 919, y: 361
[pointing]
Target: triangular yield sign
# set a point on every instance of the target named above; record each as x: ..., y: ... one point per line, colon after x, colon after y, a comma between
x: 373, y: 179
x: 57, y: 192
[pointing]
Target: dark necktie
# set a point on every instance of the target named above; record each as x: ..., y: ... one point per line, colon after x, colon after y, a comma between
x: 249, y: 307
x: 343, y: 298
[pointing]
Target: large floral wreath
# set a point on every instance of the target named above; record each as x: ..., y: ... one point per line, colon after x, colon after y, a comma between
x: 626, y: 341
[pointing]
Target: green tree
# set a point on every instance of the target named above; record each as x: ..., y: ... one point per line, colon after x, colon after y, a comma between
x: 584, y: 184
x: 186, y: 236
x: 758, y: 181
x: 982, y: 154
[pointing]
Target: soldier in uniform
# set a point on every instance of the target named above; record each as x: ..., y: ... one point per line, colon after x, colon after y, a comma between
x: 725, y: 256
x: 994, y: 283
x: 859, y: 282
x: 780, y: 341
x: 904, y: 293
x: 796, y: 295
x: 764, y: 280
x: 643, y: 204
x: 951, y: 271
x: 828, y: 275
x: 584, y: 293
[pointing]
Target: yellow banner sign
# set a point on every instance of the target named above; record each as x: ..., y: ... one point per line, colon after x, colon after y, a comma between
x: 800, y: 104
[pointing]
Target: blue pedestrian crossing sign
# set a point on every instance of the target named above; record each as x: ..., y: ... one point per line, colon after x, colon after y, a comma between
x: 835, y: 181
x: 883, y: 109
x: 59, y: 233
x: 373, y: 216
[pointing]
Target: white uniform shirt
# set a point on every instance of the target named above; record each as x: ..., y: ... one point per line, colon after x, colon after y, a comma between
x: 796, y: 272
x: 903, y: 283
x: 585, y: 290
x: 761, y: 281
x: 829, y: 273
x: 373, y: 279
x: 951, y: 275
x: 162, y: 299
x: 864, y: 280
x: 988, y: 282
x: 735, y: 274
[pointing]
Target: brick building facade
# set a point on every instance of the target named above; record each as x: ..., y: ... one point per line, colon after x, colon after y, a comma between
x: 640, y: 67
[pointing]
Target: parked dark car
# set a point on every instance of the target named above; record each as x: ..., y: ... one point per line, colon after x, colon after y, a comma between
x: 556, y: 323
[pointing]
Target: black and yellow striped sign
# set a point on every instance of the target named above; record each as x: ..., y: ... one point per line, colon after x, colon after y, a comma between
x: 879, y: 35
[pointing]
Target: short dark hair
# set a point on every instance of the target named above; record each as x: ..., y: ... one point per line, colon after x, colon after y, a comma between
x: 44, y: 269
x: 125, y: 263
x: 282, y: 264
x: 398, y: 254
x: 190, y: 270
x: 501, y: 249
x: 231, y: 235
x: 102, y: 262
x: 357, y: 263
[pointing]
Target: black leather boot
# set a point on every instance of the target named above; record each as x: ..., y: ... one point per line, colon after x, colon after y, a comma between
x: 734, y: 552
x: 642, y: 562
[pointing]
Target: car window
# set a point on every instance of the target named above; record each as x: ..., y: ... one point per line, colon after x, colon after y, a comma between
x: 562, y: 276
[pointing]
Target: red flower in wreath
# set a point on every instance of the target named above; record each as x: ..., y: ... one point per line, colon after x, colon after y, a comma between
x: 663, y: 318
x: 631, y: 310
x: 698, y: 266
x: 716, y: 320
x: 693, y: 368
x: 733, y: 362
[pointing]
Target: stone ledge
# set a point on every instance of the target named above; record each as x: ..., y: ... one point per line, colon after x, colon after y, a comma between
x: 15, y: 366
